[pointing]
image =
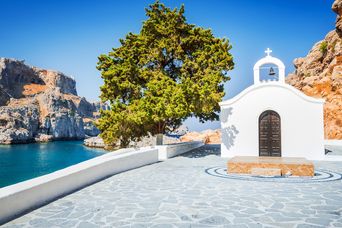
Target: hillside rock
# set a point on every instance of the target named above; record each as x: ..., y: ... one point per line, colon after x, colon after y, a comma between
x: 43, y: 138
x: 14, y: 75
x: 319, y: 75
x: 207, y: 136
x: 18, y: 124
x: 4, y: 97
x: 181, y: 130
x: 40, y: 105
x: 55, y: 79
x: 89, y: 128
x: 96, y: 142
x: 337, y: 8
x: 64, y: 125
x: 100, y: 105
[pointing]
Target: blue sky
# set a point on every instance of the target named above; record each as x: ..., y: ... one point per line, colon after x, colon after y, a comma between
x: 69, y: 35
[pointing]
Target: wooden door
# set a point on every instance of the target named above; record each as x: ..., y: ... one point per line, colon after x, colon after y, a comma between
x: 269, y: 134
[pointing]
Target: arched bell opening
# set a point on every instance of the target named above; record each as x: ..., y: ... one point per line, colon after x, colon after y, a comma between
x: 274, y: 67
x: 269, y: 72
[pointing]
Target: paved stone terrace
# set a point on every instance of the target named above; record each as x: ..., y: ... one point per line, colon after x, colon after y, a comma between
x: 178, y: 193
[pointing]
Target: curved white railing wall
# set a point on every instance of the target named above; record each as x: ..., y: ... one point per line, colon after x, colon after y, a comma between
x: 28, y: 195
x: 166, y: 152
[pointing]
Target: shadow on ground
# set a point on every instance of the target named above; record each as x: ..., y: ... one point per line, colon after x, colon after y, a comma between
x: 206, y: 150
x: 333, y: 149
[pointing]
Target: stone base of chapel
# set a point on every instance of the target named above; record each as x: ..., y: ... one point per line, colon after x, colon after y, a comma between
x: 270, y: 166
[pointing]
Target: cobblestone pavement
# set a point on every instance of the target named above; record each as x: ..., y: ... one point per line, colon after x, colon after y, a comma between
x: 179, y: 193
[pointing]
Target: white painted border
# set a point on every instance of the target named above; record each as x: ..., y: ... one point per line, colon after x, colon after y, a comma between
x: 169, y: 151
x: 25, y: 196
x: 333, y: 142
x: 271, y: 84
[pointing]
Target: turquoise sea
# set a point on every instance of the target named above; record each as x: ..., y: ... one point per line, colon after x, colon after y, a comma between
x: 25, y: 161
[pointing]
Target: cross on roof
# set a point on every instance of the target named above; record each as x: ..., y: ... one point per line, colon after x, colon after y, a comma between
x: 268, y: 51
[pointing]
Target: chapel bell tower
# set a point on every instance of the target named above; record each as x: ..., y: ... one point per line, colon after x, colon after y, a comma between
x: 268, y: 59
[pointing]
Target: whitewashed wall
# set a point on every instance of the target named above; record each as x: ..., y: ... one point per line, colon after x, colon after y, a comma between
x: 302, y: 133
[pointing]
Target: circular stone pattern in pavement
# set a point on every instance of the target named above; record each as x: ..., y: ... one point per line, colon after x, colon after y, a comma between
x: 320, y: 176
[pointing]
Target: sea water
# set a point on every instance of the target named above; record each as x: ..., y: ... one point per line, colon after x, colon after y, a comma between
x: 25, y: 161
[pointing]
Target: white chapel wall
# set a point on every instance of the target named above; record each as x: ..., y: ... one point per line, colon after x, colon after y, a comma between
x: 301, y: 121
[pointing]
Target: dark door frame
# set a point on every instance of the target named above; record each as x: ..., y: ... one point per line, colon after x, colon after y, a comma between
x: 270, y: 147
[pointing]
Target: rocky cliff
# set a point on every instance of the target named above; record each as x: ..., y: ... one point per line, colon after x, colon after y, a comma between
x: 208, y: 136
x: 319, y: 75
x: 41, y: 105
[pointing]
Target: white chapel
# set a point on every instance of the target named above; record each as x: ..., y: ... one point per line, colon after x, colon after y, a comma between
x: 272, y: 118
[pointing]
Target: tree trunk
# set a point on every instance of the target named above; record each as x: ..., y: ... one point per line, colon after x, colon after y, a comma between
x: 159, y: 139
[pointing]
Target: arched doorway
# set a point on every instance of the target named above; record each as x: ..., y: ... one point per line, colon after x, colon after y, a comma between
x: 269, y: 134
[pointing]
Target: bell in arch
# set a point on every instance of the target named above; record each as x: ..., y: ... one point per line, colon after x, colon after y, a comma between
x: 272, y: 72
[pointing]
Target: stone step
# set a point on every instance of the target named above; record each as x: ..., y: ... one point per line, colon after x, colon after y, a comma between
x: 265, y: 172
x: 295, y: 166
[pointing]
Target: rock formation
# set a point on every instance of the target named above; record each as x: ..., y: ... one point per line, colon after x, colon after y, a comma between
x: 18, y: 124
x: 337, y: 8
x: 180, y: 131
x: 89, y: 127
x: 41, y: 105
x: 207, y: 136
x: 319, y: 75
x: 96, y: 142
x: 145, y: 141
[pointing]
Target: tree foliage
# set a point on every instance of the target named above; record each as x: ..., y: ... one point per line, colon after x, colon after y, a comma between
x: 171, y: 70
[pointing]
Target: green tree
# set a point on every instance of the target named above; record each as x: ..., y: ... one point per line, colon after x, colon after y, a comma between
x: 171, y: 70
